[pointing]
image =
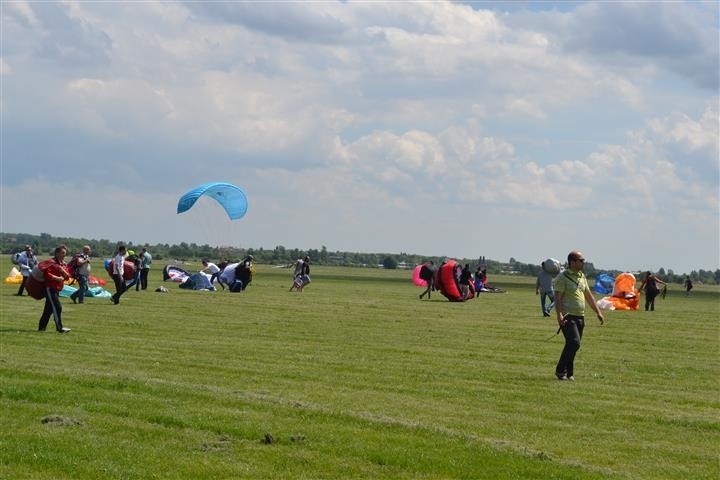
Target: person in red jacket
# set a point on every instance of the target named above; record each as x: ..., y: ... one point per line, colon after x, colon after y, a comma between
x: 54, y: 275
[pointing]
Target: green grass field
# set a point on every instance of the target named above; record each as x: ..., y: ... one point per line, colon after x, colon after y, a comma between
x: 355, y: 378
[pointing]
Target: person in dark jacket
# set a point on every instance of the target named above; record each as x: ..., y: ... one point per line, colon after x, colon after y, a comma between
x: 464, y: 281
x: 650, y: 284
x: 427, y: 273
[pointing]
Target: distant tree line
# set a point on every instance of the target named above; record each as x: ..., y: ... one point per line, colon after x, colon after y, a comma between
x: 280, y: 255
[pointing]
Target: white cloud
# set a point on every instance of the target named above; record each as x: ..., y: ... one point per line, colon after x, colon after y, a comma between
x: 380, y: 110
x: 521, y: 106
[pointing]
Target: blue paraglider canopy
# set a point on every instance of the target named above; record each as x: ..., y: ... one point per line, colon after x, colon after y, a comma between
x: 604, y: 283
x: 230, y: 196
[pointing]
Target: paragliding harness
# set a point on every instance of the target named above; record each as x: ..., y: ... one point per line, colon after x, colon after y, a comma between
x: 15, y: 258
x: 73, y: 267
x: 426, y: 273
x: 36, y: 281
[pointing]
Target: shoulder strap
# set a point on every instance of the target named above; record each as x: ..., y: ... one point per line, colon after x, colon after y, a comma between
x: 565, y: 274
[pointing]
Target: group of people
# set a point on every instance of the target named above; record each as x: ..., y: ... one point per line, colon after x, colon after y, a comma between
x: 650, y: 285
x: 53, y: 273
x: 235, y: 277
x: 464, y: 276
x: 568, y: 292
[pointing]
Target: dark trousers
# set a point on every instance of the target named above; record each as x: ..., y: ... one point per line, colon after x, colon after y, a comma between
x: 650, y: 301
x: 143, y: 278
x: 52, y: 307
x: 82, y: 288
x: 119, y: 287
x: 216, y: 276
x: 572, y: 330
x: 22, y: 286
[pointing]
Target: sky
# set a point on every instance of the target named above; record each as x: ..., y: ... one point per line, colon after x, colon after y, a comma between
x: 459, y: 129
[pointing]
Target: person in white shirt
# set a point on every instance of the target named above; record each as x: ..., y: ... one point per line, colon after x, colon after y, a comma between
x: 214, y: 272
x: 117, y: 273
x: 26, y: 262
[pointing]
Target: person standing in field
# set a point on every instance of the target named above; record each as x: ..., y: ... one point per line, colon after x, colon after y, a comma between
x: 688, y: 285
x: 117, y: 273
x: 54, y: 276
x: 464, y: 281
x: 26, y: 262
x: 479, y: 280
x: 145, y: 262
x: 572, y: 292
x: 544, y: 287
x: 81, y: 274
x: 650, y: 284
x: 427, y: 273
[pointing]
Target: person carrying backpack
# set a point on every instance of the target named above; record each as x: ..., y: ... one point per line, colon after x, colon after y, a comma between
x: 79, y: 269
x: 427, y: 273
x: 54, y: 274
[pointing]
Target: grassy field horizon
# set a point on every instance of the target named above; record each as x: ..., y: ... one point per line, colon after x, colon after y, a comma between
x: 355, y: 378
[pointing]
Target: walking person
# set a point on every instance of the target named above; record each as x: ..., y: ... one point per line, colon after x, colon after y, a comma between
x: 145, y: 262
x: 544, y: 287
x: 54, y: 276
x: 688, y: 285
x: 117, y: 273
x: 81, y: 266
x: 650, y: 284
x: 571, y: 294
x: 427, y: 273
x: 26, y: 262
